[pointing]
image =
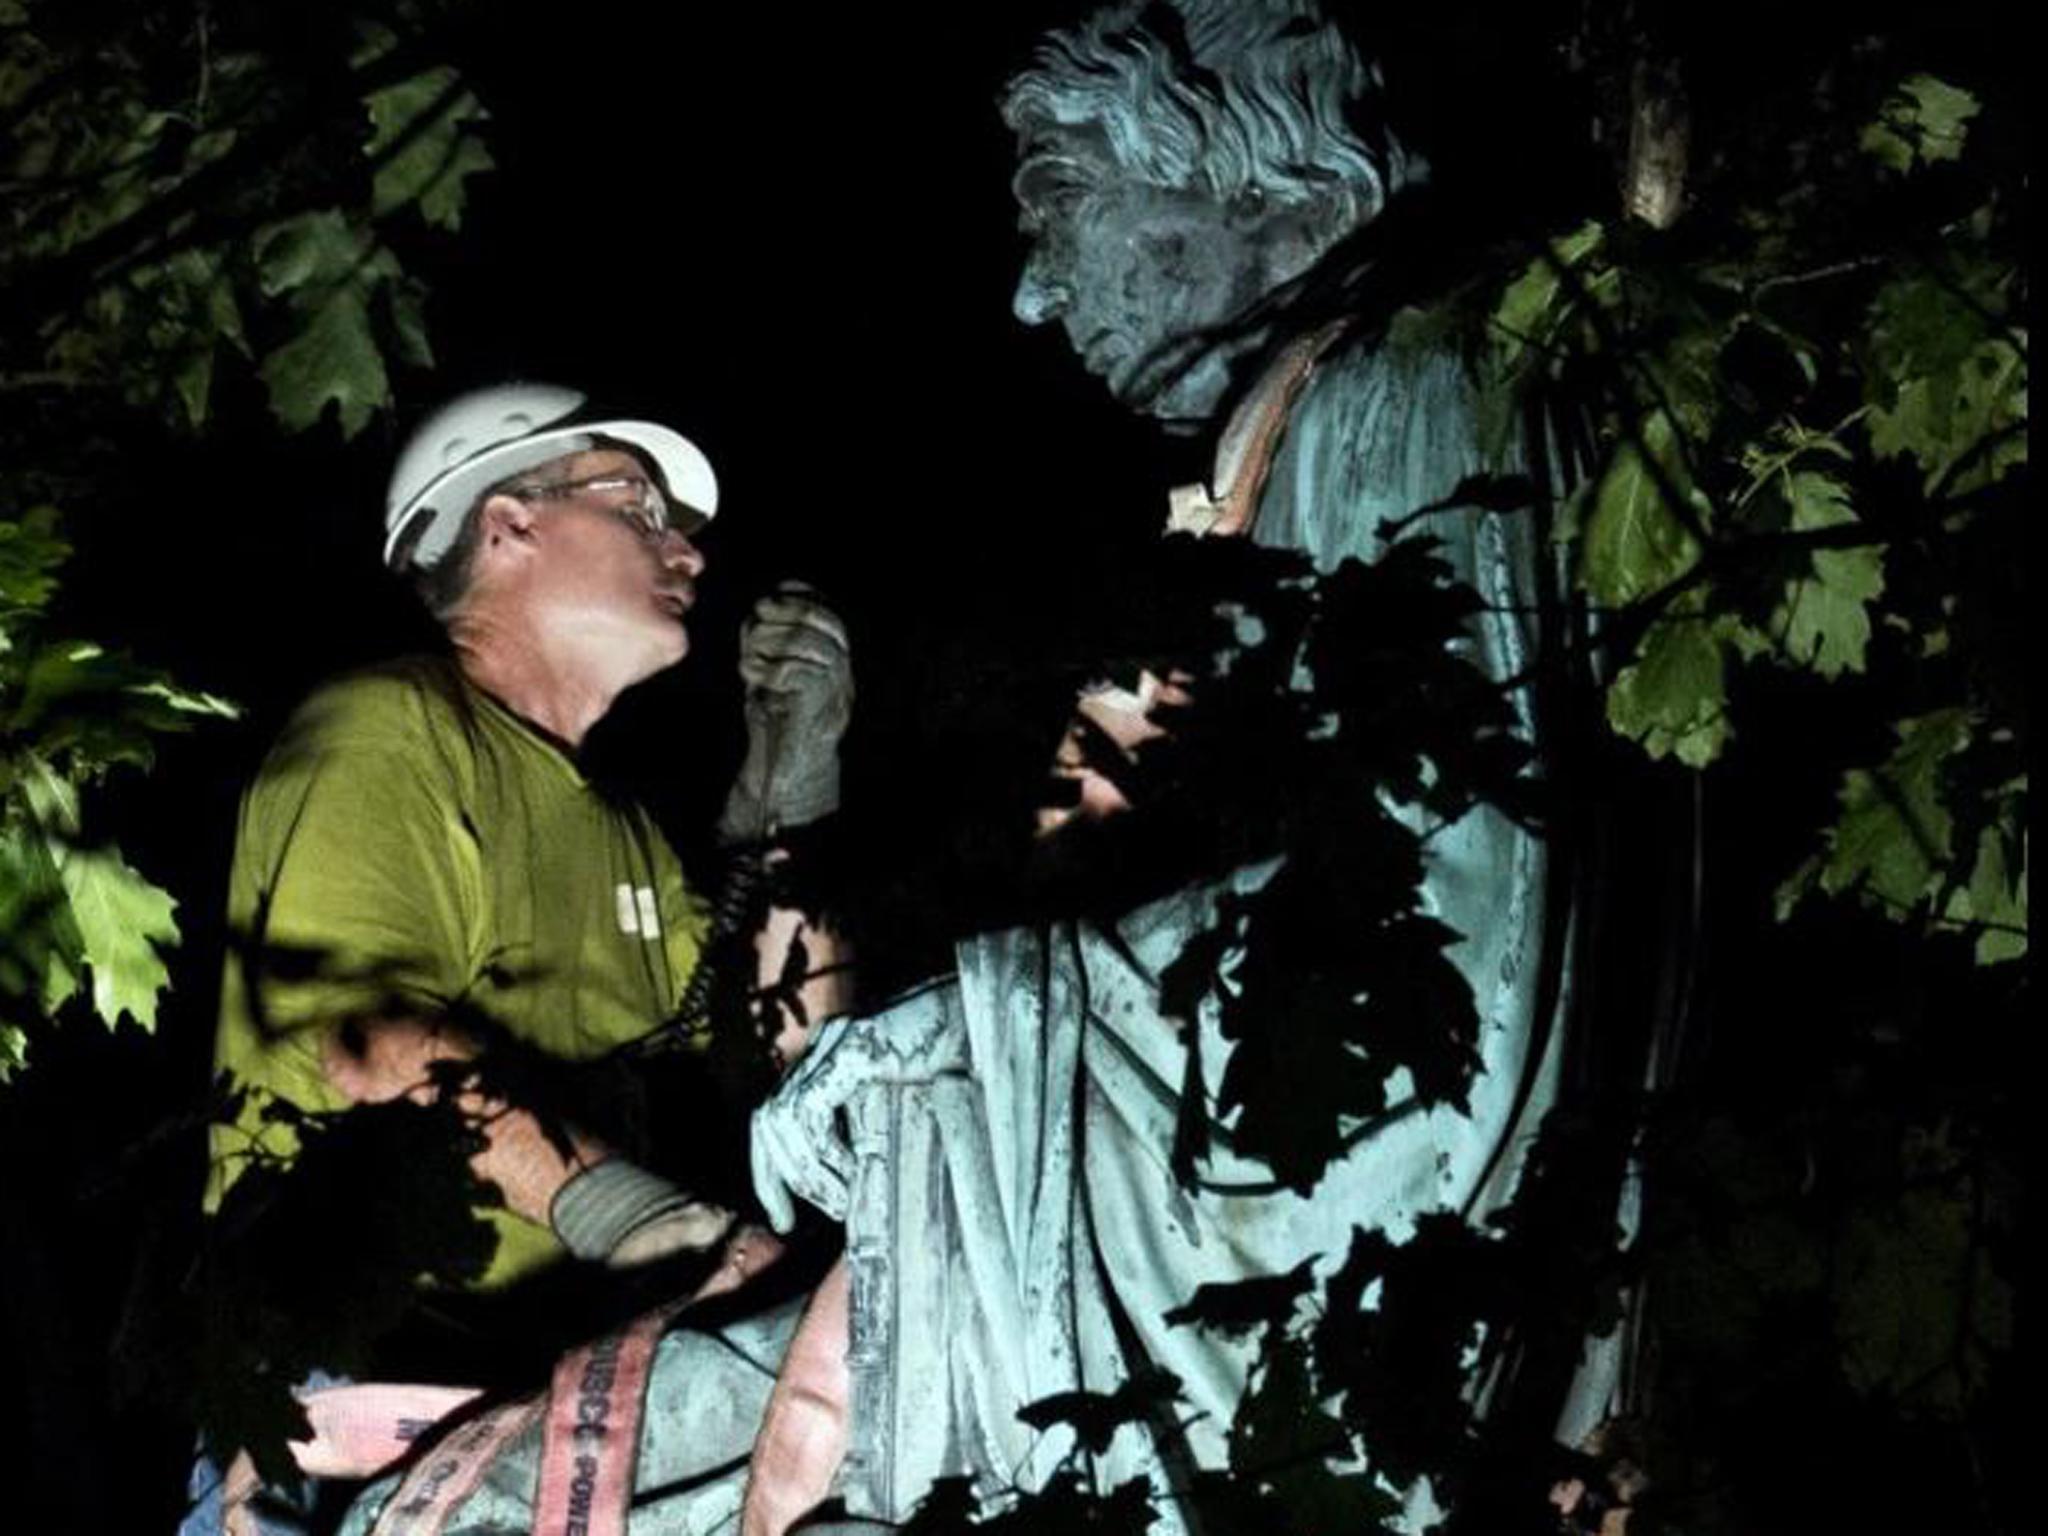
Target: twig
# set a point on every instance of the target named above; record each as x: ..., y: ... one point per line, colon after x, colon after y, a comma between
x: 1818, y: 274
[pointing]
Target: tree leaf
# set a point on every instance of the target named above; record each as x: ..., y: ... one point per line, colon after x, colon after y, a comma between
x: 1095, y: 1417
x: 1634, y: 543
x: 40, y: 949
x: 1996, y: 895
x: 1824, y: 620
x: 1523, y: 316
x: 1922, y: 122
x: 121, y: 918
x: 332, y: 268
x: 1673, y: 697
x: 418, y: 123
x: 31, y: 550
x: 1235, y: 1308
x: 207, y: 315
x: 90, y: 709
x: 1283, y: 1440
x: 76, y: 907
x: 1939, y: 417
x: 1891, y: 838
x: 1926, y: 322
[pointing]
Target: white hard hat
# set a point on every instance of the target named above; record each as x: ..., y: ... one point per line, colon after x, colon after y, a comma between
x: 478, y: 439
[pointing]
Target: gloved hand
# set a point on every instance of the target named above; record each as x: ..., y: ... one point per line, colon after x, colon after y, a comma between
x: 798, y: 668
x: 620, y: 1215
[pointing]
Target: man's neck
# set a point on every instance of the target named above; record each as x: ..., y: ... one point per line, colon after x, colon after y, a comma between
x: 546, y: 685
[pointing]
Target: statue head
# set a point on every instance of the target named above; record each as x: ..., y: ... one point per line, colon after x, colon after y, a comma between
x: 1178, y: 165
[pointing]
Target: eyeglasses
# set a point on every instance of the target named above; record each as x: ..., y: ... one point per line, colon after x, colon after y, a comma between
x: 632, y: 497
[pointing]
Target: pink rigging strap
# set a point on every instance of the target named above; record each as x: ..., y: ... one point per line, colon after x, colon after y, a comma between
x: 448, y: 1474
x: 590, y: 1444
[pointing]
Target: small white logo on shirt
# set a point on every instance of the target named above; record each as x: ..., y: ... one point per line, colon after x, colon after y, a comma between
x: 638, y: 914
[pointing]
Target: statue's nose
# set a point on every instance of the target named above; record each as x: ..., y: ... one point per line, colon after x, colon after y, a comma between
x: 1039, y: 299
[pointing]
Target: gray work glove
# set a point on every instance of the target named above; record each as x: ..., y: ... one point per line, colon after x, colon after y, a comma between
x: 798, y: 669
x: 618, y: 1214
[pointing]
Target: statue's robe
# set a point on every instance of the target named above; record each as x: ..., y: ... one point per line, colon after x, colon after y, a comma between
x: 1014, y: 1227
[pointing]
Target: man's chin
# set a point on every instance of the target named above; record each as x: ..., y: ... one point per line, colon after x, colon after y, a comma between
x: 659, y: 654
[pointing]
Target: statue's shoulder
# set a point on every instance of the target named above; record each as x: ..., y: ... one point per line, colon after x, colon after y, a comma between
x: 1367, y: 362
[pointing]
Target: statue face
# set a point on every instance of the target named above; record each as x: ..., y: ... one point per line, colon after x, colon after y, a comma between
x: 1140, y: 277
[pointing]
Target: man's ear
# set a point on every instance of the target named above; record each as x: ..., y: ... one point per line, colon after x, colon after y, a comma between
x: 508, y: 523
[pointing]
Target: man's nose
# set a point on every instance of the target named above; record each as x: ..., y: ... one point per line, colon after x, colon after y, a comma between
x: 1039, y: 299
x: 678, y: 553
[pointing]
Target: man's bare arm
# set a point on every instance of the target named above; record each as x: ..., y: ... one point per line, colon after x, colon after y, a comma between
x: 625, y: 1216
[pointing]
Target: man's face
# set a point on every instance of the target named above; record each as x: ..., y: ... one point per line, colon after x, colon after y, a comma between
x: 1140, y: 277
x: 604, y: 579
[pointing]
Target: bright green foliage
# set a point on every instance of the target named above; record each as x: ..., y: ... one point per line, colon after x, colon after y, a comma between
x: 121, y: 919
x: 1894, y: 845
x: 1947, y: 380
x: 1721, y: 527
x: 1520, y: 340
x: 69, y: 712
x: 69, y: 912
x: 179, y: 197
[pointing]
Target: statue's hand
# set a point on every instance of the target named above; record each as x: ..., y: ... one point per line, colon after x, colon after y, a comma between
x: 1123, y: 719
x: 797, y: 665
x: 798, y: 1152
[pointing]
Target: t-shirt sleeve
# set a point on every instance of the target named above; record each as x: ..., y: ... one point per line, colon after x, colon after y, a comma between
x: 353, y: 895
x: 359, y: 882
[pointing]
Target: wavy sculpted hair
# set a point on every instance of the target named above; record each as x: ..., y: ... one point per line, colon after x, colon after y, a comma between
x: 1230, y: 97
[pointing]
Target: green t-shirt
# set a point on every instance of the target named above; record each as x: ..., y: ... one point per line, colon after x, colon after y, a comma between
x: 411, y: 845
